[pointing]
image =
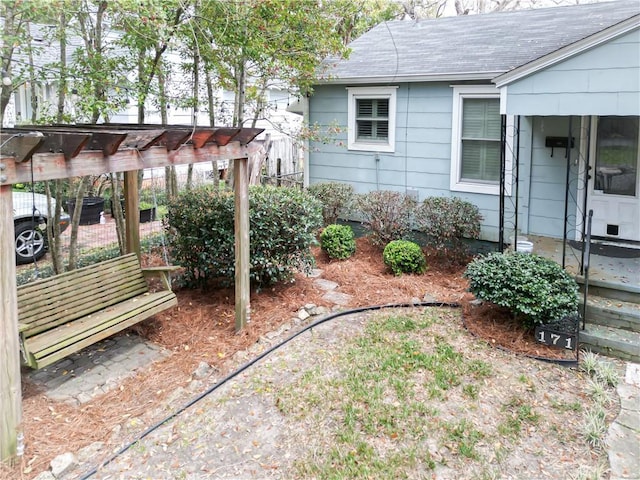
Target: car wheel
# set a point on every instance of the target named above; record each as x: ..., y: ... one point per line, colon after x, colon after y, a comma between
x: 31, y: 242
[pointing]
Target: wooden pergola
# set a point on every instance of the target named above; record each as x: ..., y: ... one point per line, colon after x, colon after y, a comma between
x: 37, y: 153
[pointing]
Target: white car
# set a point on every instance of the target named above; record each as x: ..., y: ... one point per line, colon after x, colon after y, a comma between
x: 30, y: 214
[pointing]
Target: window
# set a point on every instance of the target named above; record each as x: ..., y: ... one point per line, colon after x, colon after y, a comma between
x: 372, y: 112
x: 617, y: 155
x: 475, y: 140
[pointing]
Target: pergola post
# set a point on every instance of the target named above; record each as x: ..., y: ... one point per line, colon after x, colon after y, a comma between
x: 241, y: 226
x: 132, y: 219
x: 10, y: 388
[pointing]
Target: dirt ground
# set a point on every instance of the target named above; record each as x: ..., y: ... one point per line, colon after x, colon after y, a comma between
x: 201, y: 328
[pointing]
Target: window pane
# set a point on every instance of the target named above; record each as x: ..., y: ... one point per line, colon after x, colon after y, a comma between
x: 617, y: 155
x: 382, y: 107
x: 481, y: 124
x: 365, y: 128
x: 481, y: 118
x: 365, y: 108
x: 481, y: 160
x: 372, y: 119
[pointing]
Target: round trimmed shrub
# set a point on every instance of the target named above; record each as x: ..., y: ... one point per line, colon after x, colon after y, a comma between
x: 338, y: 241
x: 533, y: 288
x: 403, y: 256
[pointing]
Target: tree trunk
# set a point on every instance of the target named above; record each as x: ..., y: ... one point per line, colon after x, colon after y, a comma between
x: 10, y: 29
x: 116, y: 211
x: 212, y: 123
x: 75, y: 223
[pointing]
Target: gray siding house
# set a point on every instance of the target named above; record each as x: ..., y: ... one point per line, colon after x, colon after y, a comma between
x: 531, y: 115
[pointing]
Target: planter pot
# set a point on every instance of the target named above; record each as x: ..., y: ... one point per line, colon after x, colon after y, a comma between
x: 148, y: 215
x: 91, y: 209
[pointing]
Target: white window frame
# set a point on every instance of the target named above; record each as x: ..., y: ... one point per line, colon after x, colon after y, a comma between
x: 356, y: 93
x: 460, y: 92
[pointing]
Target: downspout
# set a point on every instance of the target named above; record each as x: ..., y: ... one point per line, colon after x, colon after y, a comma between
x: 566, y: 195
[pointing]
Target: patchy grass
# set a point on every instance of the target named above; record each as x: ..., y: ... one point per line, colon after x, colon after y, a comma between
x: 411, y: 397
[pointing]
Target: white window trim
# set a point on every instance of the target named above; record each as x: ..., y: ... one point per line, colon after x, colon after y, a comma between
x: 355, y: 93
x: 461, y: 92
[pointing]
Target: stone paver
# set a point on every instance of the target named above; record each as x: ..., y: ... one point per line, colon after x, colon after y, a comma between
x: 623, y: 437
x: 96, y: 369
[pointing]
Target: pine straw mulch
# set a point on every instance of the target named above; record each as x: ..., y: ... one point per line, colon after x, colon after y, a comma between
x: 202, y: 328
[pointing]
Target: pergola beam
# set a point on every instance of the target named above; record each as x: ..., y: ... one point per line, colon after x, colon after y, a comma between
x: 50, y: 166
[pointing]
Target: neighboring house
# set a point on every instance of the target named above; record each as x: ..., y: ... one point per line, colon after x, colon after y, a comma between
x: 279, y: 124
x: 421, y: 105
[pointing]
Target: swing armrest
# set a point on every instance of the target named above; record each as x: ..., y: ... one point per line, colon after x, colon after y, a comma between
x: 163, y: 272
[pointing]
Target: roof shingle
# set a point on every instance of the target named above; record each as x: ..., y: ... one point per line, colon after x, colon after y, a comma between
x: 478, y: 46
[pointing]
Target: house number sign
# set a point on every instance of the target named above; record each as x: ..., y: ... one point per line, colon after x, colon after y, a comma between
x: 555, y: 338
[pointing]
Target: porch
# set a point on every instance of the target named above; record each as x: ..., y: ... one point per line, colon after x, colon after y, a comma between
x: 618, y: 265
x: 612, y: 309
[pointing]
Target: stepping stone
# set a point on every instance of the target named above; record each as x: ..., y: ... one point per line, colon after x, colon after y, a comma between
x: 325, y: 284
x: 338, y: 298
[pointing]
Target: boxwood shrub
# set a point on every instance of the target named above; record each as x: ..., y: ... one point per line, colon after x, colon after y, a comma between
x: 403, y: 256
x: 338, y: 241
x: 535, y: 289
x: 283, y: 226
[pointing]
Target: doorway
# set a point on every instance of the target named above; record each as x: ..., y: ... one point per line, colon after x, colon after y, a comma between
x: 614, y: 184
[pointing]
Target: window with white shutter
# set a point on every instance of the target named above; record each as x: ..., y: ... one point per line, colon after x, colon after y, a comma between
x: 475, y: 140
x: 372, y: 119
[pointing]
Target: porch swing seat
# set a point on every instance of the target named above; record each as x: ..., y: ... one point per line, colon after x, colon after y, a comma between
x: 60, y: 315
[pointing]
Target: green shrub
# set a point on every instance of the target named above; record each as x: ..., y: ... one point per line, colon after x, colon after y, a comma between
x: 403, y: 256
x: 283, y: 225
x: 386, y: 214
x: 334, y: 197
x: 535, y: 289
x: 338, y: 241
x: 447, y: 221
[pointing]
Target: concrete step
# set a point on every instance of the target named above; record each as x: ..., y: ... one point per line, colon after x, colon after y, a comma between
x: 614, y: 290
x: 613, y: 313
x: 614, y: 342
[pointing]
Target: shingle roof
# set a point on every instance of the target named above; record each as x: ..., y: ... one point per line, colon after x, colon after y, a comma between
x: 477, y: 46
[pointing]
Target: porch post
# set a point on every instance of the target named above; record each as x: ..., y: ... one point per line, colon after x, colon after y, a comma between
x: 503, y: 145
x: 566, y: 195
x: 516, y: 158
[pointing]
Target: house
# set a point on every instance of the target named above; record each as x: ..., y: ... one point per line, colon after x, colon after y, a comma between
x: 430, y: 108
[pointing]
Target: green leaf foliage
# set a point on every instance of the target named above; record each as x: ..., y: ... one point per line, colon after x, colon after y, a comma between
x: 386, y: 214
x: 334, y: 196
x: 447, y: 221
x: 338, y: 241
x: 283, y: 224
x: 403, y: 256
x: 535, y: 289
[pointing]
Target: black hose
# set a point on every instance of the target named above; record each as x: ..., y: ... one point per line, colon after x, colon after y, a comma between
x: 235, y: 373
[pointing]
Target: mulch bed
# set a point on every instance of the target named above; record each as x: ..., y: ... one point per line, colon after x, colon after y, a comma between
x: 202, y: 328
